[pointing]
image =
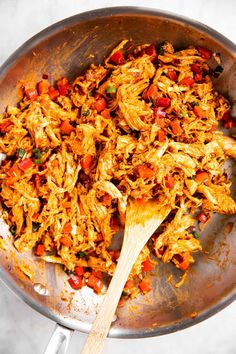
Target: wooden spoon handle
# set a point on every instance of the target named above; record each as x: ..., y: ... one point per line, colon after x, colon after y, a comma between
x: 101, y: 326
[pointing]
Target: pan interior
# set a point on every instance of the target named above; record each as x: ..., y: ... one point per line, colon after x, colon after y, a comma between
x: 66, y: 50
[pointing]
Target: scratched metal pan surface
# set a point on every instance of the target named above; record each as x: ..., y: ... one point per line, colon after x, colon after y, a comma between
x: 65, y: 49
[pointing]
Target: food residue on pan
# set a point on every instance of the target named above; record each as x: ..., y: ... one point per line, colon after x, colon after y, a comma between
x: 142, y: 125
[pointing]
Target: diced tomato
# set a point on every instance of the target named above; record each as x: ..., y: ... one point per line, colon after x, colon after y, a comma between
x: 147, y: 266
x: 118, y: 58
x: 99, y: 237
x: 202, y: 176
x: 65, y: 241
x: 14, y: 171
x: 161, y: 135
x: 53, y: 94
x: 203, y: 217
x: 163, y: 102
x: 229, y: 124
x: 129, y: 284
x: 150, y: 50
x: 196, y: 68
x: 213, y: 128
x: 198, y: 77
x: 9, y: 181
x: 5, y: 126
x: 43, y: 87
x: 95, y: 283
x: 75, y: 282
x: 187, y: 81
x: 106, y: 200
x: 170, y: 181
x: 205, y: 53
x: 176, y: 128
x: 86, y: 162
x: 145, y: 172
x: 67, y: 228
x: 26, y: 164
x: 35, y: 216
x: 141, y: 200
x: 114, y: 223
x: 226, y: 116
x: 31, y: 94
x: 152, y: 92
x: 97, y: 274
x: 144, y: 286
x: 106, y: 114
x: 39, y: 250
x: 79, y: 270
x: 100, y: 104
x: 158, y: 112
x: 66, y: 128
x: 160, y: 122
x: 172, y: 75
x: 199, y: 112
x: 184, y: 265
x: 63, y: 86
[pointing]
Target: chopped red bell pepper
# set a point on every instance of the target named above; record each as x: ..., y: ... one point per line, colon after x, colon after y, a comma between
x: 172, y: 75
x: 66, y: 128
x: 97, y: 274
x: 118, y: 58
x: 39, y: 250
x: 205, y: 53
x: 147, y: 266
x: 106, y: 114
x: 75, y: 282
x: 229, y: 124
x: 79, y: 270
x: 67, y: 228
x: 187, y: 81
x: 144, y: 286
x: 145, y: 172
x: 184, y: 265
x: 100, y: 104
x: 129, y: 284
x: 196, y: 69
x: 53, y: 94
x: 150, y: 50
x: 43, y: 87
x: 160, y: 122
x: 63, y: 86
x: 26, y: 164
x: 203, y: 217
x: 170, y: 181
x: 95, y: 283
x: 5, y: 126
x: 202, y: 176
x: 31, y: 94
x: 163, y: 102
x: 65, y: 241
x: 199, y: 112
x: 86, y: 162
x: 176, y: 128
x: 152, y: 92
x: 161, y: 135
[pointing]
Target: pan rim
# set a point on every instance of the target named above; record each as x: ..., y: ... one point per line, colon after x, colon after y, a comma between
x: 35, y: 40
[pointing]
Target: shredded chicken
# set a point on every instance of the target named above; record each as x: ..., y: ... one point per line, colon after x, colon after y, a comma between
x: 142, y: 127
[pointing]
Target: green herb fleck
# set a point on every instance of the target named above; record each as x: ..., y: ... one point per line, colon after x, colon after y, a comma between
x: 161, y: 50
x: 12, y: 229
x: 153, y: 101
x: 195, y: 234
x: 182, y: 113
x: 192, y: 177
x: 46, y: 149
x: 169, y: 128
x: 124, y: 293
x: 35, y: 226
x: 20, y: 153
x: 111, y: 89
x: 37, y: 161
x: 195, y: 104
x: 37, y: 153
x: 81, y: 254
x: 85, y: 113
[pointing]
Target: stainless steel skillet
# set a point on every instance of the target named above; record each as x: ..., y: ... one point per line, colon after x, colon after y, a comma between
x: 65, y: 49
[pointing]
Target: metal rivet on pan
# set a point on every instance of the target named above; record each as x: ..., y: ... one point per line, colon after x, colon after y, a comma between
x: 41, y: 289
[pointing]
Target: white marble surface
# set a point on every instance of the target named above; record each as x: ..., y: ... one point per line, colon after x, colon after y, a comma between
x: 22, y: 330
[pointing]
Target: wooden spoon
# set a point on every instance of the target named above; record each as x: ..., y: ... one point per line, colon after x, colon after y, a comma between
x: 141, y: 222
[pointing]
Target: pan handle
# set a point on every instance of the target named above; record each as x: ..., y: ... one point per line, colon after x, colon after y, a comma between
x: 59, y: 341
